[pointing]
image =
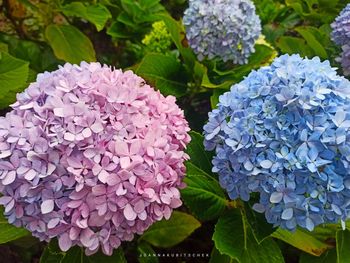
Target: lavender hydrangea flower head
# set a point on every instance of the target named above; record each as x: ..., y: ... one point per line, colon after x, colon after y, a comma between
x: 341, y: 36
x: 226, y: 29
x: 91, y: 155
x: 341, y: 27
x: 283, y: 132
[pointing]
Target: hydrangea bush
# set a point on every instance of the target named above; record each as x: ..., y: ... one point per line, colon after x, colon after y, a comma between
x: 91, y: 155
x: 283, y: 132
x: 341, y: 36
x: 226, y: 29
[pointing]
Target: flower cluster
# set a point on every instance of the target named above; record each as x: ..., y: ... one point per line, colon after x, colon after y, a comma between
x: 91, y: 155
x: 341, y: 36
x: 345, y: 59
x: 159, y: 39
x: 226, y: 29
x: 283, y: 132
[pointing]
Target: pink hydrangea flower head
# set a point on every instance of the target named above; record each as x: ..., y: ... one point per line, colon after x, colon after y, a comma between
x: 92, y: 156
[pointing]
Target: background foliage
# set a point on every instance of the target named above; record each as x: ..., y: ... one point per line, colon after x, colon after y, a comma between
x: 39, y: 35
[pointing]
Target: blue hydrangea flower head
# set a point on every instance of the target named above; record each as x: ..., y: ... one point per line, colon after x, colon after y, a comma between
x: 226, y: 29
x: 341, y: 27
x: 284, y: 132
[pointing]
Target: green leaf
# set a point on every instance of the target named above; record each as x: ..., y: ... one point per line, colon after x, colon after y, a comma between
x: 302, y: 240
x: 168, y: 233
x: 97, y: 14
x: 199, y: 157
x: 217, y: 257
x: 9, y: 232
x: 330, y: 256
x: 146, y: 254
x: 40, y: 56
x: 233, y: 237
x: 69, y: 43
x: 203, y: 194
x: 53, y: 254
x: 292, y: 45
x: 178, y: 35
x: 343, y: 246
x: 13, y: 77
x: 257, y: 221
x: 163, y: 72
x: 309, y: 34
x: 4, y: 47
x: 118, y: 30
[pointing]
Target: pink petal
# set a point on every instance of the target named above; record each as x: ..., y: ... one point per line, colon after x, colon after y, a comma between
x: 53, y: 222
x: 50, y: 168
x: 9, y: 178
x: 4, y: 200
x: 64, y: 242
x: 129, y: 213
x: 142, y: 215
x: 59, y: 112
x: 99, y: 190
x: 96, y: 169
x: 21, y: 170
x: 121, y: 148
x: 74, y: 162
x: 47, y: 206
x: 30, y: 175
x: 135, y: 147
x: 86, y: 237
x: 69, y: 137
x: 124, y: 162
x: 89, y: 153
x: 97, y: 127
x: 86, y: 132
x: 120, y: 191
x: 103, y: 176
x: 113, y: 179
x: 139, y: 206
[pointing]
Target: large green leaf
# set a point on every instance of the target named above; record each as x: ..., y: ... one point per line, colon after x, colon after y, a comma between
x: 292, y: 45
x: 233, y: 237
x: 257, y: 221
x: 168, y: 233
x: 9, y: 232
x: 302, y: 240
x: 217, y: 257
x: 199, y: 157
x: 97, y: 14
x: 178, y: 35
x: 203, y: 194
x: 53, y: 254
x: 146, y: 254
x: 69, y: 43
x: 330, y: 256
x: 313, y: 39
x: 163, y: 72
x: 343, y: 246
x: 13, y: 77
